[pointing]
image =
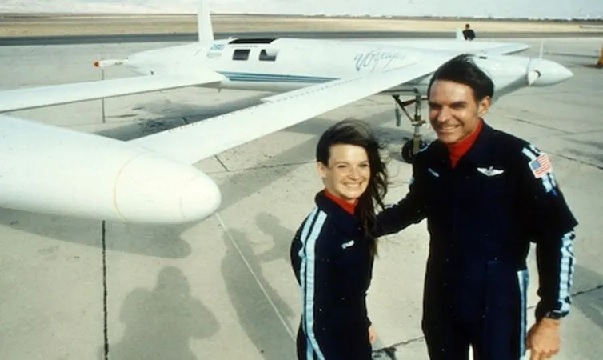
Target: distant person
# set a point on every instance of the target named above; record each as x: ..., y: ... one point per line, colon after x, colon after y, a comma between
x: 486, y: 195
x: 333, y: 249
x: 468, y: 33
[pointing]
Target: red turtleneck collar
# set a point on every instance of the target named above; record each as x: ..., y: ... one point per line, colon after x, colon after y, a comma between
x: 457, y: 150
x: 350, y: 208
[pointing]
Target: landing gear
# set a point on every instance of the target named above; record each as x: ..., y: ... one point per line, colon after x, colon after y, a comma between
x: 408, y: 150
x: 412, y: 146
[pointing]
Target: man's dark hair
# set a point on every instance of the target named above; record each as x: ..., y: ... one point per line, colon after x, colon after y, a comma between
x: 461, y: 69
x: 358, y: 133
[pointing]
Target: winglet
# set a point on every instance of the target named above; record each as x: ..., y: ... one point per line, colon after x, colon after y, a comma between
x: 204, y: 28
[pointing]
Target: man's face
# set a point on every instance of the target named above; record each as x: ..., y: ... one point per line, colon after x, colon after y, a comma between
x: 453, y: 111
x: 348, y: 172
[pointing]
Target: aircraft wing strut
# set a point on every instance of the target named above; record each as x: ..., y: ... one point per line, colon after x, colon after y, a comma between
x: 193, y: 142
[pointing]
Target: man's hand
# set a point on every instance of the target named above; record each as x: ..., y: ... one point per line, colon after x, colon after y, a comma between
x: 544, y: 339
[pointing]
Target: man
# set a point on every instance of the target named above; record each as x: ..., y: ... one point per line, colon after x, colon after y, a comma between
x: 486, y: 195
x: 468, y: 33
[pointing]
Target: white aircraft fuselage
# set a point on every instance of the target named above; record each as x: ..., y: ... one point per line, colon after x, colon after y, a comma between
x: 281, y: 65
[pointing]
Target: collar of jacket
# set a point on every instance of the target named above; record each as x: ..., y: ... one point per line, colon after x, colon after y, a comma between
x: 475, y: 154
x: 345, y: 221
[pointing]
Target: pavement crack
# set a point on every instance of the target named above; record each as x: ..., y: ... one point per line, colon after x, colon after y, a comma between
x: 599, y: 167
x: 541, y: 126
x: 222, y: 163
x: 259, y: 167
x: 388, y: 350
x: 409, y: 341
x: 583, y: 292
x: 285, y: 164
x: 105, y: 292
x: 255, y: 277
x: 588, y: 132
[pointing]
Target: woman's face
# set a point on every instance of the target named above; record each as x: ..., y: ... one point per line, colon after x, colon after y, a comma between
x: 348, y: 172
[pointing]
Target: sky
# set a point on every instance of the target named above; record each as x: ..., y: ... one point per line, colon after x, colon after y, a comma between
x: 554, y: 9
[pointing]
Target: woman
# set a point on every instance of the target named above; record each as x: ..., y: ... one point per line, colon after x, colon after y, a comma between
x: 332, y: 251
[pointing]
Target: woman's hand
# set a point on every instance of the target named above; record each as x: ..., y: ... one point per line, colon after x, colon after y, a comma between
x: 372, y: 333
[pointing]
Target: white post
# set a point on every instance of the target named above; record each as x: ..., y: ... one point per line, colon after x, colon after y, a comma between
x: 103, y: 99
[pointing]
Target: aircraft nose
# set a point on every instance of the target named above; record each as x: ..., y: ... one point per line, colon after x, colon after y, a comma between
x: 543, y: 72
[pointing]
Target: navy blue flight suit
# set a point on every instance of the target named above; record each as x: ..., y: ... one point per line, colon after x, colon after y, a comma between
x: 333, y: 265
x: 469, y: 34
x: 481, y: 217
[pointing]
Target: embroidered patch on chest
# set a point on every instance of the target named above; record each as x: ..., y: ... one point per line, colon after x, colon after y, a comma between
x: 348, y: 244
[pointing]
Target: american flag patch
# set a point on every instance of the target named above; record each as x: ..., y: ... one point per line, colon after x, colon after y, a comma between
x: 541, y: 166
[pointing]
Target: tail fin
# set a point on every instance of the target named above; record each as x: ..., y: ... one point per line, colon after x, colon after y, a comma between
x: 204, y: 27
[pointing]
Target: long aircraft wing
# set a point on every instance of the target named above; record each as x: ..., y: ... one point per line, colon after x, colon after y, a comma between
x: 191, y: 143
x: 28, y: 98
x: 460, y: 47
x: 504, y: 49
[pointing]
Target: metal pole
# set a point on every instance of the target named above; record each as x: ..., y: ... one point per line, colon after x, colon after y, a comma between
x: 103, y: 99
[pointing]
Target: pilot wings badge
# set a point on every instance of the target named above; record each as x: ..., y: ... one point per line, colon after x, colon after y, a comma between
x: 490, y: 171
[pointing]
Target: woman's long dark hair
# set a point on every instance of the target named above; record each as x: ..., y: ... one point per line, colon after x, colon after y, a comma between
x: 358, y: 133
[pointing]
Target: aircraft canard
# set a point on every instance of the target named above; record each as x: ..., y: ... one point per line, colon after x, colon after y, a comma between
x: 28, y: 98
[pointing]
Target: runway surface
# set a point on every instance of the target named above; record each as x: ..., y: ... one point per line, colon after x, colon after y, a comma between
x: 189, y: 37
x: 46, y: 29
x: 223, y: 288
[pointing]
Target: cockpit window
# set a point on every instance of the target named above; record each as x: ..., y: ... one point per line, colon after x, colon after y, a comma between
x: 267, y: 55
x: 241, y: 54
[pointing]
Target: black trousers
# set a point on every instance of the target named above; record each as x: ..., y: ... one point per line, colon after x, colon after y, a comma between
x: 494, y: 326
x: 335, y: 345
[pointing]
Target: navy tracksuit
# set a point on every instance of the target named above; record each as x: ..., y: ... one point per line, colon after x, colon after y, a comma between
x: 482, y: 216
x: 333, y: 265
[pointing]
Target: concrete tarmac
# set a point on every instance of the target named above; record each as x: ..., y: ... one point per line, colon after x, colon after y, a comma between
x: 223, y: 287
x: 48, y: 29
x: 190, y: 37
x: 19, y: 25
